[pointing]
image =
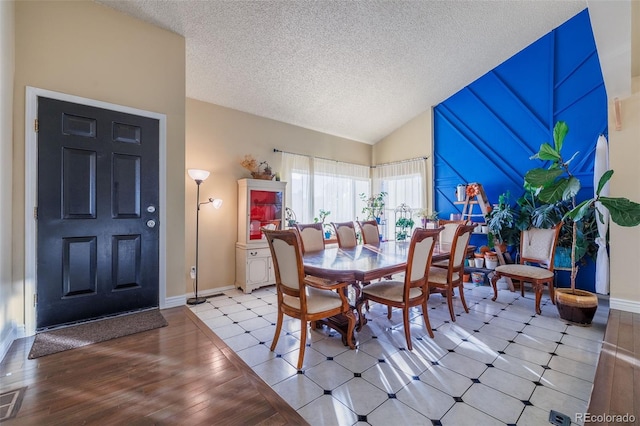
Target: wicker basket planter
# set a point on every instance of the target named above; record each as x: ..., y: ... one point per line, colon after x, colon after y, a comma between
x: 263, y: 176
x: 576, y: 306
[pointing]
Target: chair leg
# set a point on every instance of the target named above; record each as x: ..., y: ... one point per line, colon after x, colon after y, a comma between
x: 388, y: 312
x: 407, y: 329
x: 464, y: 302
x: 494, y: 284
x: 278, y: 329
x: 537, y: 288
x: 552, y: 292
x: 303, y: 343
x: 427, y: 323
x: 450, y: 302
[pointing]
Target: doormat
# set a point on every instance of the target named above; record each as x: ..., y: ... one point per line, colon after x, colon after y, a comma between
x: 63, y: 339
x: 10, y: 403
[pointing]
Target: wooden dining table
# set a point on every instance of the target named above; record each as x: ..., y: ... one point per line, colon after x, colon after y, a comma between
x: 362, y: 264
x: 365, y: 263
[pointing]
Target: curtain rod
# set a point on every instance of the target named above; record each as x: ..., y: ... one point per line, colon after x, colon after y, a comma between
x: 313, y: 156
x: 331, y: 159
x: 400, y: 161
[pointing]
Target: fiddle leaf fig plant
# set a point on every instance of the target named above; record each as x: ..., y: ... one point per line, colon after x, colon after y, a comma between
x: 557, y: 183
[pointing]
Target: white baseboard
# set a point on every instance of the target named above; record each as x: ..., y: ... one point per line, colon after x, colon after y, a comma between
x: 15, y: 332
x: 175, y: 301
x: 624, y: 305
x: 211, y: 292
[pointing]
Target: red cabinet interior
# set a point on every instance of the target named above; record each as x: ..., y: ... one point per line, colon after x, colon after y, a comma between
x: 265, y: 210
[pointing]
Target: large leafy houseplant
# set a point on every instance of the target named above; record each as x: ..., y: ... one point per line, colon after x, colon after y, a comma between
x: 534, y: 212
x: 557, y: 184
x: 501, y: 221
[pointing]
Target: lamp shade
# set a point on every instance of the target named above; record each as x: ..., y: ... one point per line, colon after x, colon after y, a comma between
x: 197, y: 174
x: 216, y: 202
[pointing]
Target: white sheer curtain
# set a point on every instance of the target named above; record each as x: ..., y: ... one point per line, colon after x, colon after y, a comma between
x: 404, y: 182
x: 336, y: 186
x: 296, y: 171
x: 315, y: 184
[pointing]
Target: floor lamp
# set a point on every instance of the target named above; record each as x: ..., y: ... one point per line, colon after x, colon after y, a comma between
x: 200, y: 176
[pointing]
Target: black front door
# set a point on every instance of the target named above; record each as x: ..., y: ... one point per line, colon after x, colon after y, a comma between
x: 97, y: 212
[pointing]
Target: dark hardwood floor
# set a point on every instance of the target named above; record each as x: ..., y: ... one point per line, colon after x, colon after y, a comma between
x: 616, y: 386
x: 180, y: 374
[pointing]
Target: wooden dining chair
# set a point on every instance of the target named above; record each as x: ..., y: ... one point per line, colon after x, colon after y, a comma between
x: 413, y: 291
x: 537, y: 247
x: 312, y: 236
x: 446, y: 236
x: 346, y: 234
x: 444, y: 280
x: 304, y: 297
x: 370, y: 232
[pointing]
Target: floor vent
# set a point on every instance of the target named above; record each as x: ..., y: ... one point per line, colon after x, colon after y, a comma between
x: 559, y: 419
x: 10, y: 403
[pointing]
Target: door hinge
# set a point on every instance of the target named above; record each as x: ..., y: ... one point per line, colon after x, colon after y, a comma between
x: 35, y: 299
x: 35, y: 213
x: 35, y: 125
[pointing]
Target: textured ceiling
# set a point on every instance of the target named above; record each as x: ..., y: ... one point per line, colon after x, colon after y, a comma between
x: 356, y: 69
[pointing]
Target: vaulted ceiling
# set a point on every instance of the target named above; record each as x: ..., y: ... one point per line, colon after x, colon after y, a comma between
x: 356, y: 69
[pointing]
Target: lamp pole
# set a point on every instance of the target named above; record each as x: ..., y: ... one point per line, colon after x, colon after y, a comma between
x: 199, y: 176
x: 197, y: 300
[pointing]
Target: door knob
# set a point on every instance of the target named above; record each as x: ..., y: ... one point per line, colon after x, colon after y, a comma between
x: 151, y: 223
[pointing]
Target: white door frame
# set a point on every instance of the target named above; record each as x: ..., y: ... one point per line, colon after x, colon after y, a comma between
x: 31, y: 192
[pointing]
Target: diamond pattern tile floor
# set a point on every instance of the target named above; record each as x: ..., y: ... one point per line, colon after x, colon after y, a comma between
x: 499, y: 364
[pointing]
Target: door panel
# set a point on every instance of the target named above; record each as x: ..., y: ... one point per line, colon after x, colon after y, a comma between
x: 97, y: 176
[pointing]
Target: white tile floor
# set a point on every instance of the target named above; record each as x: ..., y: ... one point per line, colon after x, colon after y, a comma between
x: 499, y: 364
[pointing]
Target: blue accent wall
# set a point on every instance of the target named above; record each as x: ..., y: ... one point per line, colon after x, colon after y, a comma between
x: 487, y: 131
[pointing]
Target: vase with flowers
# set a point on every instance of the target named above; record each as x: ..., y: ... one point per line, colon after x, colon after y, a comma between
x: 259, y: 170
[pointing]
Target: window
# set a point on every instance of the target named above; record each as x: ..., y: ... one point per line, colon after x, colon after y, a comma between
x: 404, y: 182
x: 316, y: 183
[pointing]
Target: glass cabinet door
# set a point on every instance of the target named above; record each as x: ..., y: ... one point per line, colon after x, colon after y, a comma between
x: 265, y: 210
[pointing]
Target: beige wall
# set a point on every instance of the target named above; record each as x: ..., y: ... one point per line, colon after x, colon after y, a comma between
x: 217, y: 139
x: 411, y: 140
x: 85, y: 49
x: 10, y: 294
x: 624, y: 147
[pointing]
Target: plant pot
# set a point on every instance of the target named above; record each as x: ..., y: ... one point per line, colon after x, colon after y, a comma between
x: 576, y: 306
x: 477, y: 278
x: 491, y: 263
x: 466, y: 278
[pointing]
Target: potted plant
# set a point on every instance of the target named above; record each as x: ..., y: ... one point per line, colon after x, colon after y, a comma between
x: 534, y: 212
x: 428, y: 219
x: 403, y: 228
x: 501, y: 220
x: 374, y: 206
x: 557, y: 183
x: 322, y: 215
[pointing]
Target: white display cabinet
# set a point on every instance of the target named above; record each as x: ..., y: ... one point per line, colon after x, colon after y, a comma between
x: 261, y: 203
